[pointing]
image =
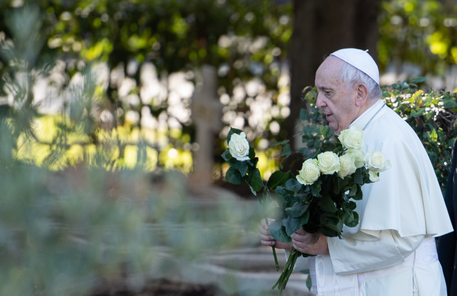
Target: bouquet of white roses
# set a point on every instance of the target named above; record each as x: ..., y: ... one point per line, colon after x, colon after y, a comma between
x: 320, y: 199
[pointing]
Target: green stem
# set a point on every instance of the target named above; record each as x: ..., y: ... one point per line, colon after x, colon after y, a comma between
x: 276, y: 258
x: 287, y: 271
x: 274, y: 252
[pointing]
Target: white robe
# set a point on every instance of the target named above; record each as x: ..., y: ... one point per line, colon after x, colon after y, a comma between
x: 400, y: 214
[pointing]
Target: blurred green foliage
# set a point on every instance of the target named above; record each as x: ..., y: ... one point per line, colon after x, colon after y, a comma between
x: 67, y: 231
x: 419, y: 32
x: 243, y: 39
x: 431, y: 113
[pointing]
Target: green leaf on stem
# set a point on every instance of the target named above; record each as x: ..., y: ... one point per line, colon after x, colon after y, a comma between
x: 309, y: 283
x: 359, y: 193
x: 353, y: 190
x: 297, y: 210
x: 304, y: 115
x: 285, y: 198
x: 278, y: 232
x: 253, y: 162
x: 233, y: 176
x: 252, y: 190
x: 278, y: 178
x: 354, y: 221
x: 419, y: 79
x: 327, y: 205
x: 241, y: 166
x: 255, y: 180
x: 316, y: 188
x: 292, y: 224
x: 226, y: 155
x: 293, y: 185
x: 251, y: 153
x: 358, y: 176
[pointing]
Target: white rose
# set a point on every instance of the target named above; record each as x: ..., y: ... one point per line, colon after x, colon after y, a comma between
x: 328, y: 163
x: 347, y: 166
x: 309, y: 172
x: 359, y: 157
x: 239, y: 146
x: 352, y: 137
x: 376, y: 161
x: 374, y: 176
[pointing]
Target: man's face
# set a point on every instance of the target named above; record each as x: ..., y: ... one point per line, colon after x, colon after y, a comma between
x: 335, y: 98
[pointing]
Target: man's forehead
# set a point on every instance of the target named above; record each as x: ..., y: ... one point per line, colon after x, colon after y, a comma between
x: 327, y: 75
x: 331, y: 64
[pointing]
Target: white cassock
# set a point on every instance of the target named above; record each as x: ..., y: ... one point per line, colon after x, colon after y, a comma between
x: 392, y: 251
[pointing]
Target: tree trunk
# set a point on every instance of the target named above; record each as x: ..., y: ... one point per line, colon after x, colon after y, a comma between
x: 320, y: 28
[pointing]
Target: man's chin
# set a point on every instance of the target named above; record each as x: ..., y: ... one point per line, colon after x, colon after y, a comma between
x: 334, y: 128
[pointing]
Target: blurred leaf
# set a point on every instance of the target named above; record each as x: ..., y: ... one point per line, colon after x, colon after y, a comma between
x: 278, y: 178
x: 297, y: 210
x: 278, y: 232
x: 420, y: 79
x: 255, y: 181
x: 293, y: 185
x: 233, y: 176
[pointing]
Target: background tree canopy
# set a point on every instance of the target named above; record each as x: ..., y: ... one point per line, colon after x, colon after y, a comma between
x: 140, y: 61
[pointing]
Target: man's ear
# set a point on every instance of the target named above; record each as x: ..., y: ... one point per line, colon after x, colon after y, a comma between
x: 362, y: 95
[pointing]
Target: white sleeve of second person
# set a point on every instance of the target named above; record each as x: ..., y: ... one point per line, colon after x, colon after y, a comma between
x: 351, y: 256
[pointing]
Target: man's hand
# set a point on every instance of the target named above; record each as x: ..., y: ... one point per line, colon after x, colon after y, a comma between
x: 303, y: 242
x: 267, y: 240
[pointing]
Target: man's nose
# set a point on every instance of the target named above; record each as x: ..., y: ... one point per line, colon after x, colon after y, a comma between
x: 320, y: 102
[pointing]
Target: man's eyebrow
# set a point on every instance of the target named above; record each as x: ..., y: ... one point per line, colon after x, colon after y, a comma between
x: 324, y: 88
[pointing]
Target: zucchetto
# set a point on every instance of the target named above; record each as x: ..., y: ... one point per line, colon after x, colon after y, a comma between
x: 359, y: 59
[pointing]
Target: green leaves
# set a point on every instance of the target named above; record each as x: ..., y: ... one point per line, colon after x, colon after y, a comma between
x: 292, y: 224
x: 417, y: 80
x: 432, y: 114
x: 233, y: 176
x: 278, y: 232
x: 279, y: 178
x: 316, y: 188
x: 255, y: 181
x: 293, y: 185
x: 297, y: 209
x: 241, y: 166
x: 285, y: 198
x: 327, y: 205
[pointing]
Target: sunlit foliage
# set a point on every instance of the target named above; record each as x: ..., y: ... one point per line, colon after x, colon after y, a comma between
x: 419, y: 32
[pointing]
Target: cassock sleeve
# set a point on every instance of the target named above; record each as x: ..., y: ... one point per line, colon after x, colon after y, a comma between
x: 350, y: 256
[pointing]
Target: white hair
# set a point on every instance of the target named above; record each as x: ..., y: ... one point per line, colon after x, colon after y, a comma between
x: 352, y: 75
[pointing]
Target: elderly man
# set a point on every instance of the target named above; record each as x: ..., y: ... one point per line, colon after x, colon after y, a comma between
x: 392, y: 251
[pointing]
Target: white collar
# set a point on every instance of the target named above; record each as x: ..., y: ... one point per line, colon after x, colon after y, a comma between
x: 363, y: 120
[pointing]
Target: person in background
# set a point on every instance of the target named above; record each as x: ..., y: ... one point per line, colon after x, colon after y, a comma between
x: 447, y: 244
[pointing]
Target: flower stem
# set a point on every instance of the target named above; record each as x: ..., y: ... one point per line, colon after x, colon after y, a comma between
x: 274, y: 252
x: 287, y: 271
x: 276, y: 258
